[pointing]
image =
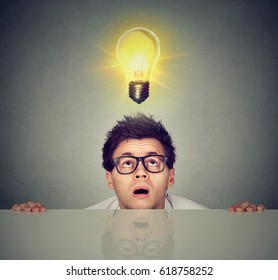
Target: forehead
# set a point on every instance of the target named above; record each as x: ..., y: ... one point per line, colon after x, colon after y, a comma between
x: 139, y: 147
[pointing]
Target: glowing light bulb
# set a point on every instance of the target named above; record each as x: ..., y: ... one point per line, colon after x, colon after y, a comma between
x: 138, y: 51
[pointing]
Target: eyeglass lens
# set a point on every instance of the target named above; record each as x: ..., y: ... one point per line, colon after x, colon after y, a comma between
x: 154, y: 163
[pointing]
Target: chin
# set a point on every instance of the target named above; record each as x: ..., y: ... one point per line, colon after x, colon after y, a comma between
x: 142, y: 206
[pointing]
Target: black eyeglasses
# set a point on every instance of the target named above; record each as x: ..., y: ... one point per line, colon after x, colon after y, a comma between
x: 127, y: 248
x: 128, y: 164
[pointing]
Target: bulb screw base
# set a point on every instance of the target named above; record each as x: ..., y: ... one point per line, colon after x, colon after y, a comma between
x: 139, y: 91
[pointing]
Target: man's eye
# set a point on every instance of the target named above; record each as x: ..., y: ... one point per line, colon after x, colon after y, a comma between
x: 152, y: 162
x: 127, y: 164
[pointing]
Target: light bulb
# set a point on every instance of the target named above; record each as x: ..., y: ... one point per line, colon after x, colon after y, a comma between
x: 138, y: 51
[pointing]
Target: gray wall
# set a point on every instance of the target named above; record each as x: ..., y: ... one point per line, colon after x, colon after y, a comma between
x: 215, y: 89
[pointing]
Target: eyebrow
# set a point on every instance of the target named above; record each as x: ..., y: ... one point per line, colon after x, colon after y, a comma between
x: 148, y: 154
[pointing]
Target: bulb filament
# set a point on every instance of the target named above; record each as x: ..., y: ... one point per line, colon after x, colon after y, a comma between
x: 138, y: 74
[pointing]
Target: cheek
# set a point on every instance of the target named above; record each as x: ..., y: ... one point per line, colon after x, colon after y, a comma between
x: 161, y: 181
x: 120, y: 181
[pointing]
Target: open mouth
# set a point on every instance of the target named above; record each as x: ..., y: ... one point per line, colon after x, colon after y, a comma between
x: 141, y: 192
x: 141, y: 225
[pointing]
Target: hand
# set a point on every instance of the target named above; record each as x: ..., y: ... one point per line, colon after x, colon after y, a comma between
x: 30, y: 206
x: 245, y: 206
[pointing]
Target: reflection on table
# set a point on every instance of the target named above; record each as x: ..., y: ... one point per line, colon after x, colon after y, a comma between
x: 138, y: 234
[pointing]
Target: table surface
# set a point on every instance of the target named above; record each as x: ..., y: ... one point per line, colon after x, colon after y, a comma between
x: 138, y: 234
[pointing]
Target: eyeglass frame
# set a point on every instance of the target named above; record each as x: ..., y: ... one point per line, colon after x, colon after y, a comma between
x: 140, y: 159
x: 136, y: 251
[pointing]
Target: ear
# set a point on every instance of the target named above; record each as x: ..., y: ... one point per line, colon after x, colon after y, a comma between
x: 171, y: 179
x: 109, y: 180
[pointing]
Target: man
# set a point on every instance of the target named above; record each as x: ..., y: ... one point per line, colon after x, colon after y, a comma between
x: 139, y: 156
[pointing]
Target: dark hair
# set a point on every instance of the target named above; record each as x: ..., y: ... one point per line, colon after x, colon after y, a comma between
x: 137, y: 126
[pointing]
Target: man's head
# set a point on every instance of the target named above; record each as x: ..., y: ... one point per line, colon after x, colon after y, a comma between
x: 138, y: 156
x: 141, y: 234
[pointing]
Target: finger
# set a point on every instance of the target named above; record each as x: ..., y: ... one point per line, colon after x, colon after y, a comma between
x: 32, y: 204
x: 39, y: 204
x: 36, y: 209
x: 244, y: 205
x: 236, y: 205
x: 260, y: 207
x: 27, y: 209
x: 231, y: 209
x: 16, y: 207
x: 23, y: 205
x: 251, y: 208
x: 239, y: 209
x: 43, y: 209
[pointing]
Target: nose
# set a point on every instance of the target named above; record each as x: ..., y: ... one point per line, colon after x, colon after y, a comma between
x: 140, y: 239
x: 140, y: 172
x: 140, y: 242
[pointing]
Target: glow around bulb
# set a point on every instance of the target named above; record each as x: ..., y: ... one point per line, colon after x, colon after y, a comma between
x: 138, y: 51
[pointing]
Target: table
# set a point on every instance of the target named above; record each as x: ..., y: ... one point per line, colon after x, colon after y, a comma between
x: 138, y: 234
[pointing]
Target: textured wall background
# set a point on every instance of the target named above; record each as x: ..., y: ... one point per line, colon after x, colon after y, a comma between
x: 215, y: 89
